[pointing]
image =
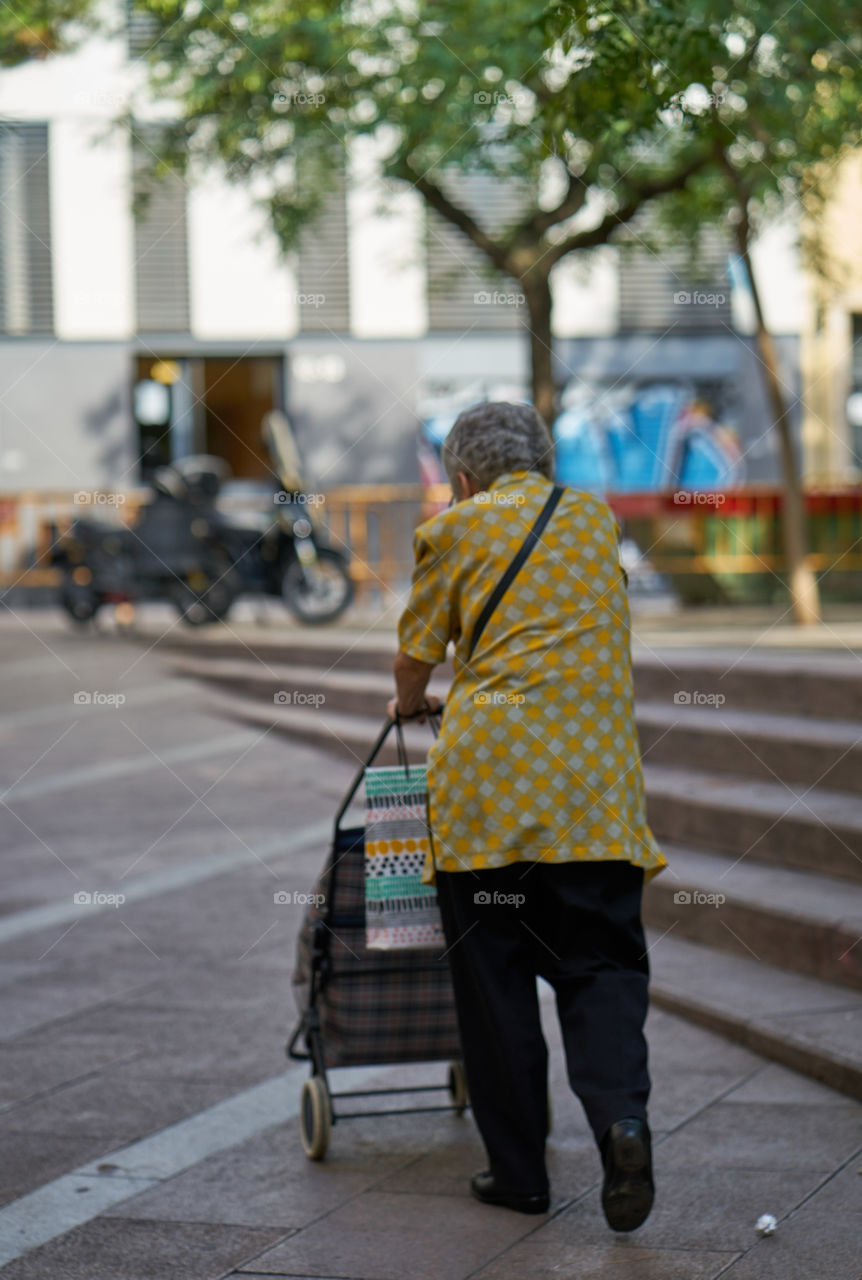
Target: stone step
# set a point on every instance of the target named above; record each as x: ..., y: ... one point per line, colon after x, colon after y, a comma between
x: 341, y: 732
x: 803, y: 921
x: 809, y: 829
x: 827, y: 687
x: 794, y: 749
x: 325, y: 650
x: 803, y: 1023
x: 800, y: 920
x: 755, y: 744
x: 808, y: 923
x: 358, y: 692
x: 783, y: 683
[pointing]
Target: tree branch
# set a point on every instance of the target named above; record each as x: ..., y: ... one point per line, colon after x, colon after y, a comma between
x: 535, y: 226
x: 600, y: 234
x: 458, y: 217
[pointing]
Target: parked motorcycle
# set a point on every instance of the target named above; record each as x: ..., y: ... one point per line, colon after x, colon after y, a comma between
x: 280, y: 555
x: 283, y: 553
x: 173, y: 552
x: 185, y: 550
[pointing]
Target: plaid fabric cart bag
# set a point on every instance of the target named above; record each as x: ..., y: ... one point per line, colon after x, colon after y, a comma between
x: 360, y: 1006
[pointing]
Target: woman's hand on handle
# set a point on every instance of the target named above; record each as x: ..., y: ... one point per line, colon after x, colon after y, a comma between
x: 431, y: 703
x: 411, y: 681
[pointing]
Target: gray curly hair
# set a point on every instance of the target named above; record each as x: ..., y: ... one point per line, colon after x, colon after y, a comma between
x: 490, y: 439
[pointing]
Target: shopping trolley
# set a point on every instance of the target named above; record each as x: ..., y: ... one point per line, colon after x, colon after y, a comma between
x: 360, y: 1007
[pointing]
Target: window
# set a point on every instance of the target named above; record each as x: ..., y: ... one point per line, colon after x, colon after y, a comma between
x: 854, y: 403
x: 161, y: 241
x: 659, y: 291
x: 464, y: 290
x: 142, y: 30
x: 26, y: 284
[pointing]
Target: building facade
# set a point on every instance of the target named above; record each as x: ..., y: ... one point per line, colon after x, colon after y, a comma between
x: 141, y: 322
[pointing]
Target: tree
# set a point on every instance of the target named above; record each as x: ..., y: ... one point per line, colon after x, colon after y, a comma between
x: 592, y: 110
x: 780, y: 106
x: 457, y: 86
x: 32, y: 29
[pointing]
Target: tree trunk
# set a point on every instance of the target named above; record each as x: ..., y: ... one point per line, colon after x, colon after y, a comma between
x: 802, y: 583
x: 537, y: 291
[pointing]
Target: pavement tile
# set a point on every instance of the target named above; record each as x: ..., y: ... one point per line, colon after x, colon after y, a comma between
x: 678, y: 1095
x: 617, y: 1260
x: 698, y: 1207
x: 842, y: 1193
x: 267, y: 1181
x: 28, y: 1160
x: 118, y: 1103
x: 840, y: 1028
x: 783, y: 1136
x: 199, y: 1043
x: 35, y: 1001
x: 25, y: 1072
x: 774, y: 1084
x: 123, y: 1249
x: 677, y: 1046
x: 391, y: 1237
x: 810, y: 1245
x: 14, y: 970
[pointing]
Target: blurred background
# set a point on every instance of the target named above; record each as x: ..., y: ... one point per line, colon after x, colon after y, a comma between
x: 166, y: 286
x: 254, y: 259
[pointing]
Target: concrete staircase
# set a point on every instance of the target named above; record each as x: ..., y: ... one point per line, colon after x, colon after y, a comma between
x: 753, y: 767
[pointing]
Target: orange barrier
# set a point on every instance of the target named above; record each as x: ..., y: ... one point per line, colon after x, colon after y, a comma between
x: 720, y: 535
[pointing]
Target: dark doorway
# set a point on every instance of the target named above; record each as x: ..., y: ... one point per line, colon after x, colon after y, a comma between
x: 206, y: 404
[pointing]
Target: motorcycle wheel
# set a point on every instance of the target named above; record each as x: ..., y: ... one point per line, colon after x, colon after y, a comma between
x: 81, y: 602
x: 321, y: 592
x: 205, y: 595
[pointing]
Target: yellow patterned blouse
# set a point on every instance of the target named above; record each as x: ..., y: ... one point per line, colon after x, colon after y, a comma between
x: 538, y: 756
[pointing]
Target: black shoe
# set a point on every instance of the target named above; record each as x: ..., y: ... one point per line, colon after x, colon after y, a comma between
x: 628, y: 1192
x: 484, y: 1188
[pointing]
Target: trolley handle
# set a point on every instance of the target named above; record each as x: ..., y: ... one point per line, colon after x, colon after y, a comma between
x: 433, y: 719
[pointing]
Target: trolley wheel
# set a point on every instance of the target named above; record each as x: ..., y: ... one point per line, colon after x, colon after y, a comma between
x: 315, y: 1117
x: 458, y: 1091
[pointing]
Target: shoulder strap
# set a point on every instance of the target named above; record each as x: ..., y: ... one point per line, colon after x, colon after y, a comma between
x: 506, y: 581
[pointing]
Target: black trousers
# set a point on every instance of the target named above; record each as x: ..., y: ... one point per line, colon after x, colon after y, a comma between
x: 578, y: 925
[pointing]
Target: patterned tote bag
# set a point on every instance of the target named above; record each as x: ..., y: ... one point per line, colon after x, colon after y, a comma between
x: 401, y: 913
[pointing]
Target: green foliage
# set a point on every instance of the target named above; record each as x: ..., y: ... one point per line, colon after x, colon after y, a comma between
x: 776, y: 99
x: 454, y: 85
x: 593, y: 110
x: 31, y: 29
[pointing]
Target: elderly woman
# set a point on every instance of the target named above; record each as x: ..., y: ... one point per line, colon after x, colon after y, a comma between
x: 536, y: 803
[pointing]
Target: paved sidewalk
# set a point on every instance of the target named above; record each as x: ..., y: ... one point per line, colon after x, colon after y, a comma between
x: 148, y: 1122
